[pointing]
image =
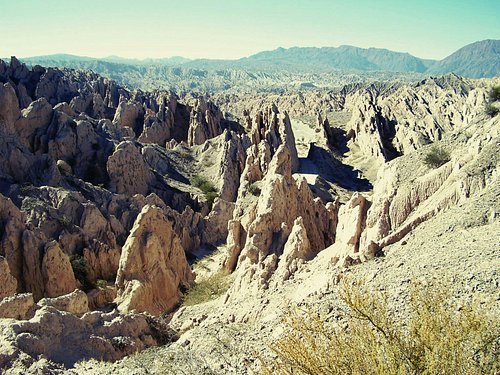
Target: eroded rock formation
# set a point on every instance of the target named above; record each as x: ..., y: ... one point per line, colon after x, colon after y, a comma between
x: 152, y: 266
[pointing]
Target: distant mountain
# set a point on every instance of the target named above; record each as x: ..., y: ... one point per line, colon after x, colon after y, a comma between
x: 282, y: 69
x: 342, y: 58
x: 66, y: 60
x: 476, y: 60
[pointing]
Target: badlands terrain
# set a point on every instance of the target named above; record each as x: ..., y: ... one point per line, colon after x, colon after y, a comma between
x: 118, y: 206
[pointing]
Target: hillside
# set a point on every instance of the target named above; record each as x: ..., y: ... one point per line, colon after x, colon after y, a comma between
x: 476, y: 60
x: 143, y: 232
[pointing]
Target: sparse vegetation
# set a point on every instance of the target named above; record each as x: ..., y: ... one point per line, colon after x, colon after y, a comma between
x: 207, y: 187
x: 80, y: 269
x: 436, y: 157
x: 101, y: 284
x: 206, y: 290
x: 254, y: 189
x: 493, y: 105
x: 439, y: 337
x: 64, y: 222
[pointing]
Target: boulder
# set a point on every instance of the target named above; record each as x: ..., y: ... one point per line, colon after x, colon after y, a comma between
x: 75, y: 302
x: 19, y: 306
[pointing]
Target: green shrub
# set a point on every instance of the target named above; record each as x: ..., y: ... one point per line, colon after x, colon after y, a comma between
x: 492, y: 105
x: 207, y: 187
x: 80, y: 268
x: 439, y: 337
x: 206, y: 290
x: 101, y: 284
x: 492, y: 109
x: 494, y: 94
x: 254, y: 189
x: 436, y: 157
x: 64, y: 222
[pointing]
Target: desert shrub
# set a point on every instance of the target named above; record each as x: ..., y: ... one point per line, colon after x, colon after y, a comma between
x: 207, y: 187
x: 438, y: 338
x: 80, y: 269
x: 491, y: 109
x: 494, y: 94
x: 64, y: 222
x: 254, y: 189
x: 210, y: 197
x: 101, y: 284
x: 203, y: 184
x: 436, y: 157
x: 492, y: 105
x: 207, y: 289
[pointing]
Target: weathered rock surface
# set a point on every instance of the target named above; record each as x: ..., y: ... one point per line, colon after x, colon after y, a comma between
x: 8, y: 283
x: 62, y: 337
x: 128, y: 172
x: 205, y: 122
x: 57, y: 271
x: 152, y: 266
x: 75, y: 302
x: 18, y: 306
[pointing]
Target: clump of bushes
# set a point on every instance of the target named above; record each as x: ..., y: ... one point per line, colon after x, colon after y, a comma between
x: 207, y: 187
x: 81, y: 269
x: 436, y: 157
x: 206, y: 290
x: 492, y: 106
x: 254, y: 189
x: 438, y: 338
x: 101, y: 284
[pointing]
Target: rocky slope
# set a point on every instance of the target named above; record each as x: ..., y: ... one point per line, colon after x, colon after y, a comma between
x: 476, y: 60
x: 108, y: 195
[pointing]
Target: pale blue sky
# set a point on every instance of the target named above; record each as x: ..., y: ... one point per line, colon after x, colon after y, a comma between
x: 237, y: 28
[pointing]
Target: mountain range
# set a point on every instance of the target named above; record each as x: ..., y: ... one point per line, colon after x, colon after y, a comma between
x: 283, y: 68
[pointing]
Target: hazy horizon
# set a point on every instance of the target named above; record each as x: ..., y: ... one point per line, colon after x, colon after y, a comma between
x: 225, y: 29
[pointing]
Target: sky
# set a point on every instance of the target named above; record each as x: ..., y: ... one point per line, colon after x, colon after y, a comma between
x: 229, y: 29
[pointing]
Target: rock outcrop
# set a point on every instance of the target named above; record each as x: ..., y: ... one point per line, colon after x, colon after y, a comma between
x: 127, y: 170
x: 75, y: 302
x: 8, y: 283
x: 152, y: 266
x: 62, y: 337
x: 57, y: 271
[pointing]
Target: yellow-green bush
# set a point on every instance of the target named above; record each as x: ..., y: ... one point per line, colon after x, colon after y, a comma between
x: 438, y: 338
x: 207, y: 289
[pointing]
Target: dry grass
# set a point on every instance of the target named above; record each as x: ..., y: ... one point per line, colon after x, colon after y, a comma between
x: 439, y: 338
x: 207, y: 289
x: 436, y: 157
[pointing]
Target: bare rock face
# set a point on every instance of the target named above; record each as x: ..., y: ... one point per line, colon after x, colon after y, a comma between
x: 205, y: 122
x: 57, y: 271
x: 19, y: 306
x: 297, y: 249
x: 12, y: 221
x: 152, y: 266
x: 9, y: 107
x: 130, y: 115
x: 101, y: 296
x: 8, y: 283
x: 398, y: 121
x: 65, y: 338
x: 75, y: 302
x: 37, y: 115
x: 263, y: 234
x: 128, y: 172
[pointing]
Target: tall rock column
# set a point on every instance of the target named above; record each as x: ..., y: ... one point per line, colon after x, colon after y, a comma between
x: 153, y: 265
